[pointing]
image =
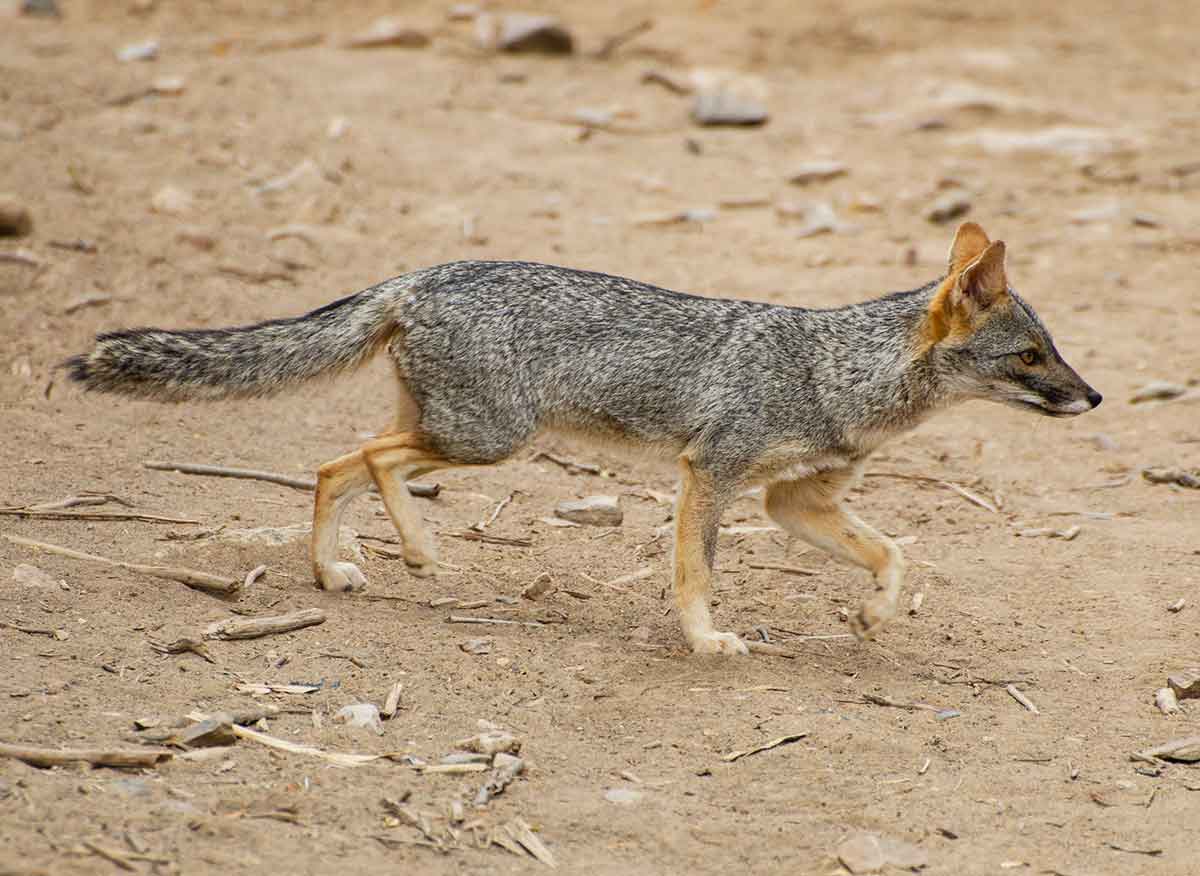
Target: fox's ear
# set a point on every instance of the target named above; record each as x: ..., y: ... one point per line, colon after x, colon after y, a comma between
x: 983, y: 281
x: 969, y: 290
x: 969, y: 242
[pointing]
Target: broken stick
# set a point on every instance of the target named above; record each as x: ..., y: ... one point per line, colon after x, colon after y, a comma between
x: 50, y: 757
x: 215, y: 584
x: 427, y: 491
x: 1186, y: 749
x: 392, y: 704
x: 255, y: 627
x: 465, y: 619
x: 1021, y: 698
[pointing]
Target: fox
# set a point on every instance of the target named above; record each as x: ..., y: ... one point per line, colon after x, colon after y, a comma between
x: 490, y: 355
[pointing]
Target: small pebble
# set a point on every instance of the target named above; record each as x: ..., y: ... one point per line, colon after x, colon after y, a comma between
x: 1158, y: 390
x: 622, y: 795
x: 592, y: 511
x: 146, y: 50
x: 727, y: 108
x: 15, y: 219
x: 816, y: 171
x: 388, y: 31
x: 171, y: 200
x: 365, y: 715
x: 950, y: 206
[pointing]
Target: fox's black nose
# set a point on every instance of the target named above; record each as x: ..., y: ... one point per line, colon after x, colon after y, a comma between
x: 1094, y: 398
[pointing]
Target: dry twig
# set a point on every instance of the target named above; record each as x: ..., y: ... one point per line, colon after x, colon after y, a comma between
x: 1012, y: 691
x: 38, y: 514
x: 183, y: 646
x: 464, y: 619
x: 209, y: 583
x: 256, y: 627
x: 307, y: 484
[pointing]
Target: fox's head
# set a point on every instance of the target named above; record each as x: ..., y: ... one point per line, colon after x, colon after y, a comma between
x: 987, y: 343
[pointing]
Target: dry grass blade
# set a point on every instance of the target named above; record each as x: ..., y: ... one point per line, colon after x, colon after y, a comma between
x: 197, y: 580
x: 922, y: 479
x: 472, y: 535
x: 98, y: 516
x: 768, y: 649
x: 491, y: 518
x: 766, y: 746
x: 337, y: 758
x: 790, y: 570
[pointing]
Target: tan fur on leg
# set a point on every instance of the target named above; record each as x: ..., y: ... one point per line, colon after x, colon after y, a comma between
x: 390, y: 459
x: 338, y: 481
x: 811, y: 509
x: 697, y: 518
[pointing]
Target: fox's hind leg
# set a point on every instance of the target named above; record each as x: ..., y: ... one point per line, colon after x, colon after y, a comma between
x: 391, y: 459
x: 338, y: 482
x: 811, y: 509
x: 697, y: 519
x: 387, y: 461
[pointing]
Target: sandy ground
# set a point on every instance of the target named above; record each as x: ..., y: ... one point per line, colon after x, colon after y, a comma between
x: 449, y: 152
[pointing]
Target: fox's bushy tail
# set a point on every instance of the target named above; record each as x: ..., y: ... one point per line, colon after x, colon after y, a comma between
x: 244, y: 362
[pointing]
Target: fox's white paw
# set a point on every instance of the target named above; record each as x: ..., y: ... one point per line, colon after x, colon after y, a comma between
x: 718, y: 643
x: 340, y: 577
x: 871, y: 617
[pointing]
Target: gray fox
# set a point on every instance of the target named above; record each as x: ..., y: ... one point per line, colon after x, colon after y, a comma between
x: 739, y: 393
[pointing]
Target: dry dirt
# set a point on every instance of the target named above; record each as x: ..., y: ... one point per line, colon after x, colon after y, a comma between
x: 606, y: 697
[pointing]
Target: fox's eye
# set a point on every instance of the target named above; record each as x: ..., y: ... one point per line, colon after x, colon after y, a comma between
x: 1029, y: 357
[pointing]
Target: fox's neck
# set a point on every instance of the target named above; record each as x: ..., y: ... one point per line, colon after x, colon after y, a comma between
x: 889, y: 384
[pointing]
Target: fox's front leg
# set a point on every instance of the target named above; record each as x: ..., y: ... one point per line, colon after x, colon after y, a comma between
x: 697, y: 520
x: 811, y: 509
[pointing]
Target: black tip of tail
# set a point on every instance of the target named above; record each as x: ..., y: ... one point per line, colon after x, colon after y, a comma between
x: 77, y: 369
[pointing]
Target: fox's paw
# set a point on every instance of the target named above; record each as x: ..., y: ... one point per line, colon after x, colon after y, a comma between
x: 421, y: 568
x: 727, y: 644
x: 869, y: 619
x: 340, y: 577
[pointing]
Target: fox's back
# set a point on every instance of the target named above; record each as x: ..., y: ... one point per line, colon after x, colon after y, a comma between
x: 555, y: 346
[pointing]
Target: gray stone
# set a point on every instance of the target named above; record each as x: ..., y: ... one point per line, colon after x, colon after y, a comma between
x: 521, y: 32
x: 26, y: 575
x: 1185, y: 684
x: 725, y: 106
x: 365, y: 715
x: 950, y: 206
x: 592, y: 511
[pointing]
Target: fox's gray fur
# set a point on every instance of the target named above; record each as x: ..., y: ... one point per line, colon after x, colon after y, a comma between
x: 492, y: 353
